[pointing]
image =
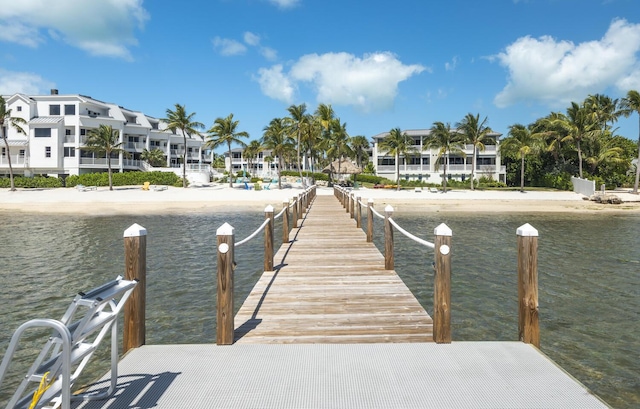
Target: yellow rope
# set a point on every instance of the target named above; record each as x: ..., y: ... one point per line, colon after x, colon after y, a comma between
x: 44, y: 385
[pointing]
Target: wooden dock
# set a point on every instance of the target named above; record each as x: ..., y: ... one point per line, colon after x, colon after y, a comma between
x: 329, y: 285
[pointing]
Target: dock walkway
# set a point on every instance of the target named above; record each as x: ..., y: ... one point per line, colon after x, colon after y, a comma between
x: 330, y: 286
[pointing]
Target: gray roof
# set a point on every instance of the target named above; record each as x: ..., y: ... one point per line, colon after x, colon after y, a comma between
x: 46, y: 120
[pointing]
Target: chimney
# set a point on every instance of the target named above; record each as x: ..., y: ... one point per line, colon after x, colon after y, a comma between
x: 54, y: 91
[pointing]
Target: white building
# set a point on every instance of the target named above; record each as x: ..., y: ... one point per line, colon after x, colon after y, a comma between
x: 422, y: 165
x: 56, y: 129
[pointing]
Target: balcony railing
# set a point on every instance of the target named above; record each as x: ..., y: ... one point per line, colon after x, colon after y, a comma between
x: 115, y: 162
x: 135, y: 145
x: 69, y: 139
x: 16, y: 160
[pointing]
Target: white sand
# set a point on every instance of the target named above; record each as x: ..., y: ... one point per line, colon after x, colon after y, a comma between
x: 133, y: 200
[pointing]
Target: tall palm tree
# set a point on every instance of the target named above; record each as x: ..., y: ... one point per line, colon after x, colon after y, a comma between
x: 603, y: 151
x: 104, y: 141
x: 579, y: 124
x: 359, y: 146
x: 397, y: 143
x: 251, y: 152
x: 179, y: 119
x: 630, y: 104
x: 225, y: 131
x: 475, y: 132
x: 604, y: 109
x: 521, y: 142
x: 325, y: 116
x: 297, y: 121
x: 276, y: 139
x: 15, y: 122
x: 445, y: 141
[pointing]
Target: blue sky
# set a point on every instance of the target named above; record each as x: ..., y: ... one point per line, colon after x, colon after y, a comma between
x: 380, y: 64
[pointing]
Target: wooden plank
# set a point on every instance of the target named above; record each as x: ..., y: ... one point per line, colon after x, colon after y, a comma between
x: 330, y: 285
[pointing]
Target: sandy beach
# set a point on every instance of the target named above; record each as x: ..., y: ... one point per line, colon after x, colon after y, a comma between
x: 134, y: 200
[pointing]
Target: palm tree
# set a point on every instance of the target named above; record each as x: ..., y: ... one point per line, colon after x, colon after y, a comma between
x: 579, y: 124
x: 604, y: 109
x: 397, y: 143
x: 251, y: 152
x: 155, y: 157
x: 446, y: 141
x: 325, y: 116
x: 224, y: 131
x: 521, y: 142
x: 297, y: 121
x: 475, y: 133
x: 16, y: 122
x: 179, y: 119
x: 359, y: 146
x: 604, y: 152
x: 276, y: 139
x: 630, y: 104
x: 104, y: 141
x: 338, y: 144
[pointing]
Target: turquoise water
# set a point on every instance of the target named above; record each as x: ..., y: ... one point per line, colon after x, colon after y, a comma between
x: 588, y: 271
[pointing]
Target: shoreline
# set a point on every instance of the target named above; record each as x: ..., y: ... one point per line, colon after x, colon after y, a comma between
x: 125, y: 200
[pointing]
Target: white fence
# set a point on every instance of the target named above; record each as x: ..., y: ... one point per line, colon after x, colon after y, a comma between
x: 583, y: 186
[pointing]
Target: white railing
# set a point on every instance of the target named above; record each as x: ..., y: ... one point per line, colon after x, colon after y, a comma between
x: 15, y: 160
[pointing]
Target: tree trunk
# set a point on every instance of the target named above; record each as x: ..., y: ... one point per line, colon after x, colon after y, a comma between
x: 444, y: 176
x: 398, y: 171
x: 299, y: 165
x: 473, y: 164
x: 184, y: 160
x: 230, y: 166
x: 635, y: 185
x: 579, y: 157
x: 109, y: 170
x: 6, y: 144
x: 522, y: 173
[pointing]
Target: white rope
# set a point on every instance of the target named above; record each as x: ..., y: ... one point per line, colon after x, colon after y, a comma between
x: 281, y: 213
x: 377, y: 214
x: 255, y: 233
x: 411, y: 236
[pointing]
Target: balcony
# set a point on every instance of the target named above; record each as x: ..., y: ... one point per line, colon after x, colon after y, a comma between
x: 16, y: 160
x: 70, y: 139
x: 115, y: 162
x: 136, y: 146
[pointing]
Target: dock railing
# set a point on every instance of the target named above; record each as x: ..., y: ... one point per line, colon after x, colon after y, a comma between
x: 528, y: 319
x: 226, y: 261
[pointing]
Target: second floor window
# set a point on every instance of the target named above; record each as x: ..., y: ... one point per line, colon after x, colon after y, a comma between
x: 47, y: 151
x: 42, y: 132
x: 54, y: 109
x: 69, y: 109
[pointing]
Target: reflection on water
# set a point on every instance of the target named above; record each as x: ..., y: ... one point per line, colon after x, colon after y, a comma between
x: 588, y: 274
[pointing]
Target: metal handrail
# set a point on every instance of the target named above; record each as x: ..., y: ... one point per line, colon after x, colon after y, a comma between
x: 254, y: 234
x: 411, y: 236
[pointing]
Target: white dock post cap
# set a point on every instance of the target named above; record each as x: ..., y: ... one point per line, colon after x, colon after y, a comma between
x: 225, y: 230
x: 527, y: 230
x: 388, y: 209
x: 285, y: 201
x: 268, y: 209
x: 135, y: 230
x: 442, y: 230
x: 370, y: 200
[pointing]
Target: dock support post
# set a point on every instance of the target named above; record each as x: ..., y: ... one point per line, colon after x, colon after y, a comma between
x: 300, y: 206
x: 442, y: 285
x: 135, y: 256
x: 528, y: 319
x: 295, y: 213
x: 347, y: 201
x: 352, y: 209
x: 285, y: 221
x: 369, y: 220
x: 268, y: 238
x: 224, y: 318
x: 358, y: 213
x: 388, y: 239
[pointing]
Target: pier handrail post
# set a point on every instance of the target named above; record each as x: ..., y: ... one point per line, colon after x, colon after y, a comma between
x: 528, y: 319
x: 369, y: 220
x: 347, y: 201
x: 358, y: 213
x: 294, y: 217
x: 135, y: 257
x: 352, y: 208
x: 300, y: 205
x: 442, y: 285
x: 268, y: 239
x: 388, y: 239
x: 224, y: 318
x: 285, y: 221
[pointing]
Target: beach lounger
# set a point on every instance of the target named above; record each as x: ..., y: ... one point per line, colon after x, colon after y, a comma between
x: 433, y: 190
x: 159, y: 188
x: 145, y: 186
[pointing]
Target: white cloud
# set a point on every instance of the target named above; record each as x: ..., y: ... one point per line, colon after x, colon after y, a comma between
x: 226, y: 46
x: 275, y: 84
x: 557, y: 72
x: 22, y: 83
x: 269, y: 53
x: 103, y: 28
x: 369, y: 83
x: 284, y: 4
x: 450, y: 66
x: 251, y: 39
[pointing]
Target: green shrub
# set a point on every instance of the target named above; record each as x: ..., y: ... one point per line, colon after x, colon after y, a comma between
x: 33, y: 182
x: 125, y: 179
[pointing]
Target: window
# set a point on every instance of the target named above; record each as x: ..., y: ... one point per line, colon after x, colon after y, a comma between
x: 414, y: 160
x: 67, y: 132
x: 47, y: 151
x: 236, y: 155
x: 69, y: 109
x: 386, y: 161
x: 69, y: 152
x: 42, y: 132
x: 83, y: 131
x: 54, y: 109
x: 134, y: 139
x: 425, y: 160
x: 4, y: 152
x: 19, y: 108
x: 21, y: 154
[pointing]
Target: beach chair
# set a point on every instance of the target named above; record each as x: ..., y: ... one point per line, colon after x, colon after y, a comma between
x: 145, y: 186
x: 159, y: 188
x: 71, y: 344
x: 433, y: 189
x: 247, y: 187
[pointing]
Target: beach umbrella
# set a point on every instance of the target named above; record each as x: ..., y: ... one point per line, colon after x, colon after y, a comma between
x: 343, y: 167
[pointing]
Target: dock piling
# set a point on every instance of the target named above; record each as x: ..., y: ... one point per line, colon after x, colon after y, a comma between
x: 369, y: 220
x: 528, y: 319
x: 225, y: 319
x: 135, y: 257
x: 442, y: 285
x: 388, y: 239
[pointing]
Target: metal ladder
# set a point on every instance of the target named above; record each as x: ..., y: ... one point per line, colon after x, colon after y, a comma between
x: 73, y: 340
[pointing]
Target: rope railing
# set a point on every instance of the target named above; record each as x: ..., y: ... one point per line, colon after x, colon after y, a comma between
x: 254, y: 234
x: 380, y: 216
x: 411, y: 236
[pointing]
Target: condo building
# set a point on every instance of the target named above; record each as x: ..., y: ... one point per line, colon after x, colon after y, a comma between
x: 57, y: 127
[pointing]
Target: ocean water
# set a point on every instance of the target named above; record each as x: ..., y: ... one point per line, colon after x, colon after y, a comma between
x: 589, y: 280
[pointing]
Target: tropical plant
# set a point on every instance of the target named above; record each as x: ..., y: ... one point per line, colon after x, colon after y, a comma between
x: 359, y: 146
x: 445, y: 141
x: 179, y: 119
x: 630, y: 104
x: 603, y: 109
x: 337, y: 146
x: 475, y: 132
x: 397, y: 143
x: 602, y: 152
x: 15, y: 122
x: 296, y: 123
x: 225, y: 131
x: 104, y: 141
x: 520, y: 143
x: 155, y: 157
x: 251, y: 152
x: 325, y: 117
x: 276, y: 139
x: 578, y: 124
